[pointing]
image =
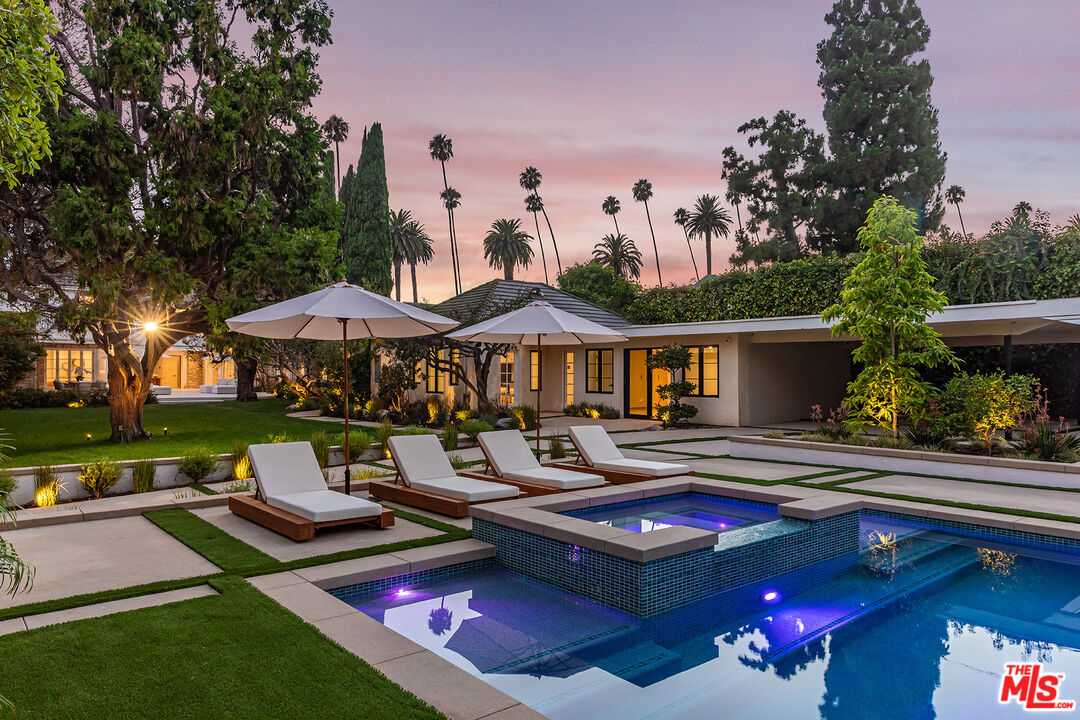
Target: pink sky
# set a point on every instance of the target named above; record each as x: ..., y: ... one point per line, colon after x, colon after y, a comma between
x: 598, y: 94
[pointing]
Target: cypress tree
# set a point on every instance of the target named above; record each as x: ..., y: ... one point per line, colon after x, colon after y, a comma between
x: 366, y: 225
x: 882, y: 126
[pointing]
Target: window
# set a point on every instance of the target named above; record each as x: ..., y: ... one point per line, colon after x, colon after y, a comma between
x: 436, y: 379
x: 71, y: 366
x: 599, y: 371
x: 455, y: 359
x: 569, y: 377
x: 704, y: 370
x: 506, y: 378
x: 535, y: 382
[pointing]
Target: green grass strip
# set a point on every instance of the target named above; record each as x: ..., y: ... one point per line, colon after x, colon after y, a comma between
x: 219, y: 547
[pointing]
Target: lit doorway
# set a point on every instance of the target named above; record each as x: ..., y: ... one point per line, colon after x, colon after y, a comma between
x: 642, y: 399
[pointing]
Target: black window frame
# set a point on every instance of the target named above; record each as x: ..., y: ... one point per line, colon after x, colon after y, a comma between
x: 698, y: 379
x: 598, y: 353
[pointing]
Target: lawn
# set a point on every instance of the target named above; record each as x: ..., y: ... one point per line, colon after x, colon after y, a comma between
x: 57, y: 436
x: 237, y: 655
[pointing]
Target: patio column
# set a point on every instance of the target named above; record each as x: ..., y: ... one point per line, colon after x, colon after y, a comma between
x: 1007, y: 348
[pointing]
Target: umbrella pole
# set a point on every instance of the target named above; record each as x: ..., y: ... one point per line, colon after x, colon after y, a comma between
x: 539, y: 374
x: 345, y: 365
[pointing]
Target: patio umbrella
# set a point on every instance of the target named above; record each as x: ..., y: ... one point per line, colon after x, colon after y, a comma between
x: 340, y: 311
x: 540, y: 322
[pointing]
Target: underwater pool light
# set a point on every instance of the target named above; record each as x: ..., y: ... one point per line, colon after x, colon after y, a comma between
x: 403, y: 592
x: 770, y: 596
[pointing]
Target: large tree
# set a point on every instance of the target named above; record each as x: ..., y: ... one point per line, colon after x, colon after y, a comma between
x: 183, y: 148
x: 885, y: 304
x: 620, y: 254
x: 29, y: 85
x: 642, y: 192
x: 530, y: 179
x: 366, y: 226
x: 882, y: 125
x: 707, y: 219
x: 782, y: 186
x: 441, y: 148
x: 337, y: 132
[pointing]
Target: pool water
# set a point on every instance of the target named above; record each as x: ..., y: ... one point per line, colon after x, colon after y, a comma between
x: 917, y: 625
x: 705, y: 512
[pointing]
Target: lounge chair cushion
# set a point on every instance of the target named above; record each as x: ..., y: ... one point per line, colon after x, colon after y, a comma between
x: 285, y: 468
x: 556, y: 477
x: 324, y: 505
x: 467, y: 489
x: 594, y: 444
x: 644, y: 467
x: 507, y: 451
x: 420, y: 457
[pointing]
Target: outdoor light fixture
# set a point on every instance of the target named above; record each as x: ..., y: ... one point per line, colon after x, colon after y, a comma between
x: 150, y: 326
x: 89, y: 437
x: 403, y: 592
x: 165, y: 432
x: 770, y: 596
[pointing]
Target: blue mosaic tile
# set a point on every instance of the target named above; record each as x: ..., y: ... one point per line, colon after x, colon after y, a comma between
x: 349, y: 593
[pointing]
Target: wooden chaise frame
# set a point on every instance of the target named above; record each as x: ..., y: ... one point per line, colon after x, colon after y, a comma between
x: 392, y: 491
x: 525, y: 487
x: 294, y: 526
x: 619, y: 477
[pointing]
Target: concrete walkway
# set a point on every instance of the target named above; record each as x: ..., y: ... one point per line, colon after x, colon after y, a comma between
x: 1056, y: 502
x: 88, y: 557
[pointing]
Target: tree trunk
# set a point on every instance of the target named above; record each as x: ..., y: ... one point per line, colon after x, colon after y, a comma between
x: 553, y: 244
x: 536, y: 219
x: 397, y: 281
x: 412, y: 269
x: 129, y: 384
x: 245, y: 379
x: 708, y: 254
x: 656, y: 253
x: 617, y: 232
x: 508, y: 271
x: 691, y: 249
x: 961, y: 216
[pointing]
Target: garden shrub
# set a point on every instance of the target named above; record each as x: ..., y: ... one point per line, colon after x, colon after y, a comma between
x: 320, y: 445
x: 241, y: 463
x: 383, y: 435
x: 591, y: 410
x: 143, y: 476
x: 472, y: 428
x: 47, y: 486
x: 359, y: 442
x: 450, y: 437
x: 100, y: 477
x: 438, y: 411
x: 7, y: 483
x: 198, y: 464
x: 983, y: 404
x: 523, y: 417
x: 457, y: 462
x: 556, y: 448
x: 25, y: 397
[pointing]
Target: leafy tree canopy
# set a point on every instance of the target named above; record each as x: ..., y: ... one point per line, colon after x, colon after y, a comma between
x: 599, y: 285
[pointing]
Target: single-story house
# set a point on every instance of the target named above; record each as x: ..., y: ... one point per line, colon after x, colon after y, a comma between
x: 747, y: 372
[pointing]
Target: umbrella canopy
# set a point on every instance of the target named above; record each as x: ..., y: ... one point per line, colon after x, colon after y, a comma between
x: 521, y: 326
x: 319, y: 316
x: 538, y: 323
x: 340, y: 312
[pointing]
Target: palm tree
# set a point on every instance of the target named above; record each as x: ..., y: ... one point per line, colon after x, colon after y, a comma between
x: 441, y: 148
x: 336, y: 131
x: 400, y: 221
x: 955, y: 195
x: 681, y: 218
x: 733, y: 198
x: 533, y: 204
x: 611, y: 207
x: 642, y: 191
x: 619, y: 253
x: 708, y: 219
x: 420, y: 250
x: 451, y: 201
x: 1023, y: 208
x: 530, y: 179
x: 507, y: 245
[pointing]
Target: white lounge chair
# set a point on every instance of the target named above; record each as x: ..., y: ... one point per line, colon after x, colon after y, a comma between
x: 599, y: 453
x: 293, y: 498
x: 429, y: 481
x: 511, y: 460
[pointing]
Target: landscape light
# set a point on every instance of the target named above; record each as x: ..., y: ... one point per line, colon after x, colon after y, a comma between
x: 150, y: 326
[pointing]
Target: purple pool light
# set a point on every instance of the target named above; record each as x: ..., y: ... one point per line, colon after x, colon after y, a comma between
x: 770, y: 596
x: 403, y: 592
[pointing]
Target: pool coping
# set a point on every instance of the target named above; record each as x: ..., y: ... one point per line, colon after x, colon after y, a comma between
x: 460, y: 695
x: 542, y: 515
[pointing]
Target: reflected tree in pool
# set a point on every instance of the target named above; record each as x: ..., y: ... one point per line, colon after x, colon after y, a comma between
x: 441, y: 619
x: 868, y: 662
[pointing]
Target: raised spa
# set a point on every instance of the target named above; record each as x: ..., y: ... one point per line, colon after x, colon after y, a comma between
x: 695, y: 510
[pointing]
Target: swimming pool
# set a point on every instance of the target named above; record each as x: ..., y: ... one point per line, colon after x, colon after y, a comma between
x: 918, y: 624
x: 706, y: 512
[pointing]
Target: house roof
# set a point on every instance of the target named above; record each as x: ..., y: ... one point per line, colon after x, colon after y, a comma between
x: 1027, y: 321
x: 498, y: 292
